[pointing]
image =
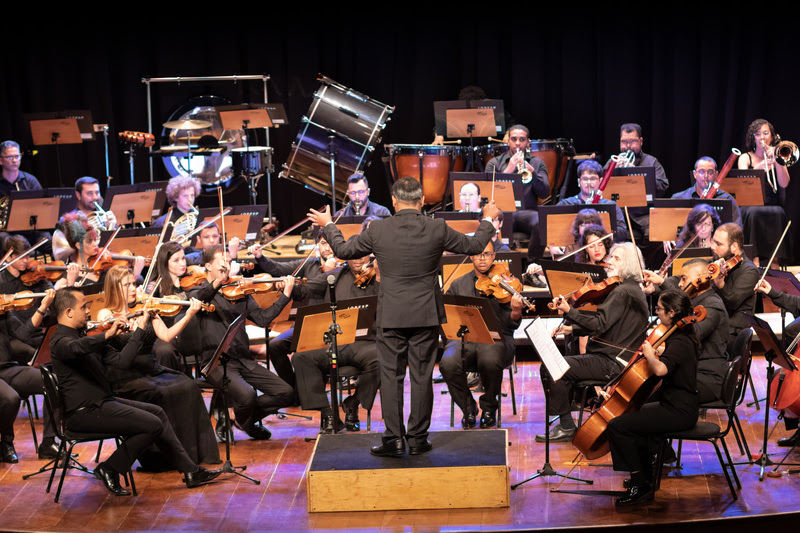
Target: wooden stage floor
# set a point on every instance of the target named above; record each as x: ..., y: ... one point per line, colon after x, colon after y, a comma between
x: 698, y: 495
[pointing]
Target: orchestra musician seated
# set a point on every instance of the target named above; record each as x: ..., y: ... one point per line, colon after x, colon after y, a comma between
x: 489, y: 359
x: 360, y: 204
x: 79, y: 363
x: 705, y: 173
x: 245, y: 374
x: 711, y: 333
x: 617, y: 329
x: 87, y: 192
x: 181, y: 194
x: 145, y: 380
x: 631, y: 435
x: 470, y: 197
x: 311, y: 366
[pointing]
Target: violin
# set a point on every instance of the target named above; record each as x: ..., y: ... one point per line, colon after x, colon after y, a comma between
x: 715, y: 270
x: 39, y: 270
x: 630, y: 391
x: 195, y: 275
x: 108, y: 260
x: 366, y: 275
x: 95, y: 327
x: 594, y: 293
x: 498, y: 282
x: 238, y: 287
x: 19, y: 301
x: 168, y: 305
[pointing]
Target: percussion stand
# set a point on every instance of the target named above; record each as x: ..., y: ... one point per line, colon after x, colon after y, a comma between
x: 547, y: 470
x: 332, y: 151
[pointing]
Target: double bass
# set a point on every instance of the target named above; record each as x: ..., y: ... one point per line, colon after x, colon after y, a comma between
x: 630, y: 391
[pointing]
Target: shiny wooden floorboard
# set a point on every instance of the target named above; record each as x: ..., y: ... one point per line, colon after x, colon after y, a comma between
x: 697, y: 493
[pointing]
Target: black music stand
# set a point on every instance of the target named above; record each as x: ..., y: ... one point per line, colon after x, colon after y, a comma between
x: 773, y: 351
x: 552, y: 363
x: 221, y: 357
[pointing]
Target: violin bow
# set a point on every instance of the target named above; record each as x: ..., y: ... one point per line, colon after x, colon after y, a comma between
x: 167, y: 222
x: 222, y: 221
x: 582, y: 248
x: 772, y: 257
x: 25, y: 254
x: 99, y: 257
x: 454, y: 271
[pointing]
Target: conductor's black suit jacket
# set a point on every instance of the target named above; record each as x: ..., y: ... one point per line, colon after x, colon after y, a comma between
x: 409, y: 247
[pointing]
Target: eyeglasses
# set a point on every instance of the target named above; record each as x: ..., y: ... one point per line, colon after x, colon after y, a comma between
x: 630, y: 143
x: 484, y: 255
x: 590, y: 178
x: 12, y: 157
x: 358, y: 193
x: 659, y: 309
x: 706, y: 172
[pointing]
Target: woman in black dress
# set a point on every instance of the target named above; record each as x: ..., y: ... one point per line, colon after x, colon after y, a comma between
x: 147, y: 381
x: 631, y: 436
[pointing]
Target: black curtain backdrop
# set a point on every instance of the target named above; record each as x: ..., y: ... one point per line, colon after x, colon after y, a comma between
x: 693, y: 81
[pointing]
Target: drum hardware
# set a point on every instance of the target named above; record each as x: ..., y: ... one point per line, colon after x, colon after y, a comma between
x: 522, y: 170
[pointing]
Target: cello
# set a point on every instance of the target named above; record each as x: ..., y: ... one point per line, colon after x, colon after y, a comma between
x: 629, y: 392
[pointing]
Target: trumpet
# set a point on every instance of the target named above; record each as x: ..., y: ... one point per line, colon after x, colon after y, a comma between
x: 99, y: 219
x: 524, y: 173
x: 625, y: 159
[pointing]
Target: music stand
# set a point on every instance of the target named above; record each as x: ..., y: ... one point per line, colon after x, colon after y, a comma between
x: 221, y: 357
x: 507, y: 188
x: 55, y: 131
x: 773, y: 351
x: 31, y: 214
x: 555, y: 221
x: 554, y: 366
x: 631, y: 186
x: 134, y: 207
x: 470, y: 123
x: 466, y: 223
x: 449, y: 263
x: 748, y: 187
x: 564, y: 278
x: 468, y: 315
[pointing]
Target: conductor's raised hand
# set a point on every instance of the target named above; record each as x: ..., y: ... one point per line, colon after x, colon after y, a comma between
x: 320, y: 218
x: 489, y: 210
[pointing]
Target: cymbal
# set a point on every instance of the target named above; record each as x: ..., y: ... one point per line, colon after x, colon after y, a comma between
x: 187, y: 124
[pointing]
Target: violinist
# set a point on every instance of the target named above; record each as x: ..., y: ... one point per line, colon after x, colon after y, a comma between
x: 617, y: 329
x: 631, y: 435
x: 145, y: 380
x: 734, y: 286
x: 210, y: 236
x: 312, y: 366
x: 702, y: 221
x: 791, y: 303
x: 323, y: 262
x: 712, y: 332
x: 18, y: 379
x: 10, y: 283
x: 704, y: 174
x: 489, y: 359
x: 245, y: 374
x: 84, y: 242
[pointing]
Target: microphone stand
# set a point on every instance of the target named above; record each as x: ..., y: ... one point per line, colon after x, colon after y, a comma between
x: 332, y: 151
x: 333, y: 354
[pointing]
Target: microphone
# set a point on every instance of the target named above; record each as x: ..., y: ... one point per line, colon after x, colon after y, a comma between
x: 332, y: 286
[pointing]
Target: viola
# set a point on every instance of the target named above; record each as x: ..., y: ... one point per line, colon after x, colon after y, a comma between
x: 715, y: 270
x: 19, y: 301
x: 594, y: 293
x: 238, y: 287
x: 366, y: 275
x: 630, y: 391
x: 499, y: 283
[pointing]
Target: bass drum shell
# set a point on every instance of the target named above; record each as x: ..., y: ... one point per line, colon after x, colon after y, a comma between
x: 429, y: 164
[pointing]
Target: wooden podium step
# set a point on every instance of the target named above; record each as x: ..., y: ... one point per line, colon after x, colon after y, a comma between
x: 465, y: 469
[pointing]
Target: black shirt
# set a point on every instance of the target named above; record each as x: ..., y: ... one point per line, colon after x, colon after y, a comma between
x: 465, y: 286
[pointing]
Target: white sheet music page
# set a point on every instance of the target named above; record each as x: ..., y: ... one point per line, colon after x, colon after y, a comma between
x: 547, y: 349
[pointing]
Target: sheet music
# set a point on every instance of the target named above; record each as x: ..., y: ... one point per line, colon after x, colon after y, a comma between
x: 547, y: 349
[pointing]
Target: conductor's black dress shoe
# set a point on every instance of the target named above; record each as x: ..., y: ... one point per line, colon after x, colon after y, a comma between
x: 390, y: 448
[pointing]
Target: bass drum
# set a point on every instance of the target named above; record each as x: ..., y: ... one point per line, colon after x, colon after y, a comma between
x: 430, y: 164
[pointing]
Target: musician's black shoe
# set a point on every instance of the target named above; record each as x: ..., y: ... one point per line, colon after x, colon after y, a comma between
x: 7, y: 453
x: 219, y: 430
x: 470, y: 420
x: 390, y: 448
x: 256, y: 432
x: 488, y: 419
x: 637, y: 494
x: 326, y: 424
x: 558, y: 434
x: 422, y: 448
x: 110, y: 479
x: 48, y: 450
x: 788, y: 442
x: 351, y: 422
x: 201, y: 477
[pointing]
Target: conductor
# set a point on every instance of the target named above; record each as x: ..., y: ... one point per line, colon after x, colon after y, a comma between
x: 408, y: 247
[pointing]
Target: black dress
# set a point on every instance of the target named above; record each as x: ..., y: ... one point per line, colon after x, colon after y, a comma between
x: 763, y: 226
x: 176, y: 393
x: 630, y: 436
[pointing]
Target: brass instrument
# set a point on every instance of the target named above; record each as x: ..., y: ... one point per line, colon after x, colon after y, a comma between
x: 5, y: 205
x: 786, y: 153
x: 99, y: 219
x: 524, y: 173
x: 625, y: 159
x: 185, y: 223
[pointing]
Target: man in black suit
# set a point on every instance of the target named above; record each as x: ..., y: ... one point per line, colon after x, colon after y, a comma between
x: 408, y: 247
x: 80, y: 365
